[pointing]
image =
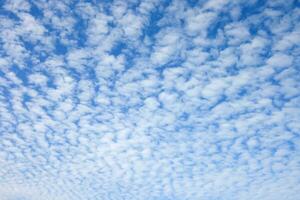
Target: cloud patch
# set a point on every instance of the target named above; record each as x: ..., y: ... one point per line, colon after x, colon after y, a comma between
x: 149, y: 100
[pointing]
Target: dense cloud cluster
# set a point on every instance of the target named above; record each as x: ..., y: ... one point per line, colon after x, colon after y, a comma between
x: 149, y: 100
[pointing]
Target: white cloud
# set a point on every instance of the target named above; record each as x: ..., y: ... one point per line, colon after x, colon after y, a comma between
x: 149, y: 100
x: 280, y: 60
x: 237, y: 33
x: 38, y: 79
x: 17, y: 6
x: 198, y: 22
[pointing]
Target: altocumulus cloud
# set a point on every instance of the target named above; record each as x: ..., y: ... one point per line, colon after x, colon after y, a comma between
x: 149, y: 100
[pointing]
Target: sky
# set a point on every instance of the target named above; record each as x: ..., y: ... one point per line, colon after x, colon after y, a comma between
x: 149, y: 100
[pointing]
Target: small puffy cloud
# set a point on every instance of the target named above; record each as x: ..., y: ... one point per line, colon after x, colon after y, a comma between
x: 38, y: 79
x: 280, y: 60
x: 17, y: 6
x: 237, y: 33
x: 198, y: 22
x: 131, y: 24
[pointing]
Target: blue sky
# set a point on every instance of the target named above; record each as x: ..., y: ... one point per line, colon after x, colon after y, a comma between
x: 149, y: 100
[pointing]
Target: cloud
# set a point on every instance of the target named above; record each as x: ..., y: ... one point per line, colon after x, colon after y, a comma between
x: 149, y: 100
x: 280, y: 60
